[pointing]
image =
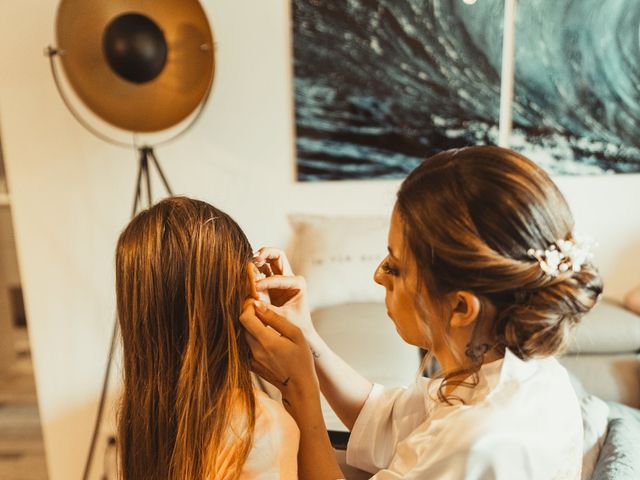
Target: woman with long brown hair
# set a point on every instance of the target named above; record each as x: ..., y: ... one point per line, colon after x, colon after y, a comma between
x: 189, y: 409
x: 484, y: 272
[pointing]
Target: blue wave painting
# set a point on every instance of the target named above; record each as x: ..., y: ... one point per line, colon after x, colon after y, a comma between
x: 577, y: 85
x: 382, y: 84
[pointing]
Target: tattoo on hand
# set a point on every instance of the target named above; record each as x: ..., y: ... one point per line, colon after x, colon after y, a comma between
x: 315, y: 354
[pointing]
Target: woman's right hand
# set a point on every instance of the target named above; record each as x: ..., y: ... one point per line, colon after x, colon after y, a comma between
x: 345, y: 389
x: 279, y: 350
x: 288, y: 292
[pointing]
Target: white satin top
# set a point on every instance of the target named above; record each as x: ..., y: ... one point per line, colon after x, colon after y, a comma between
x: 522, y: 421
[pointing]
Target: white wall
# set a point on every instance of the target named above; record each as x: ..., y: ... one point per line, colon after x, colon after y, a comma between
x: 71, y: 194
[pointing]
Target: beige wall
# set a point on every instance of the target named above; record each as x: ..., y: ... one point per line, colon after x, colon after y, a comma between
x: 71, y: 194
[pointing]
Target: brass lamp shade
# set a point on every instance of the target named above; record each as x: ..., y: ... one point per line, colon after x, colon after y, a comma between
x: 169, y: 93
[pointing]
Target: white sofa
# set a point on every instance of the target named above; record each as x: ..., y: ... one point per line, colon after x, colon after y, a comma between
x: 604, y: 352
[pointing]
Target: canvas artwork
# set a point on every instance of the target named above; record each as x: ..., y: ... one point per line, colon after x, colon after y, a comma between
x: 577, y: 85
x: 380, y: 85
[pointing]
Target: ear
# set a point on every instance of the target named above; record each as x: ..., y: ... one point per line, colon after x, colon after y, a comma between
x: 251, y: 272
x: 466, y: 309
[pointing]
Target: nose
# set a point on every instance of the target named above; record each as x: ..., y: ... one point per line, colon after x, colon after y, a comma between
x: 378, y: 275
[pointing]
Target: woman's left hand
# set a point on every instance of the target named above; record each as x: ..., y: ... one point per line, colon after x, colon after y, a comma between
x: 280, y: 353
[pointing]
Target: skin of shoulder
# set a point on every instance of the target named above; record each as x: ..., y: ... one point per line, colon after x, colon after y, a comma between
x: 275, y: 443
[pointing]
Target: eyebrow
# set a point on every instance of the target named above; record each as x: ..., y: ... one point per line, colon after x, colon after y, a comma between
x: 391, y: 253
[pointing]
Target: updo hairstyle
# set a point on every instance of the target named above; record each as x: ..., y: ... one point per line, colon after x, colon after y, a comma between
x: 470, y: 217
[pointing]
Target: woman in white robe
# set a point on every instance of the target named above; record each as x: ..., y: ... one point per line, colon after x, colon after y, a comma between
x: 483, y: 272
x: 501, y: 431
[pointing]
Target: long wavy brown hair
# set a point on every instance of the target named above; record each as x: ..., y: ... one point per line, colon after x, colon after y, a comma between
x: 188, y: 409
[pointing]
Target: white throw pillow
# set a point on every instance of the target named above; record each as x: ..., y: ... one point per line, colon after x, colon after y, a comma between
x: 338, y: 255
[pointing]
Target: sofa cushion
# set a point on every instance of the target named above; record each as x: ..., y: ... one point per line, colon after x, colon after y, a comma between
x: 609, y: 376
x: 607, y: 328
x: 365, y: 337
x: 620, y: 455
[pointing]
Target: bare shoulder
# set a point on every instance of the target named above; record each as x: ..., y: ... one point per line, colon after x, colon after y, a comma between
x: 275, y: 443
x: 273, y: 419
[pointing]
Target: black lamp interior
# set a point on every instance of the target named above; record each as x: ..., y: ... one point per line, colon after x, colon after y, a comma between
x: 135, y: 47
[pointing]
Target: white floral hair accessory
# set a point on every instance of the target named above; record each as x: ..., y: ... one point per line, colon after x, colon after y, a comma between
x: 563, y: 255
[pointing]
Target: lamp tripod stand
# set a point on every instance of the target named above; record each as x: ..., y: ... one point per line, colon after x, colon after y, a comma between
x: 146, y: 157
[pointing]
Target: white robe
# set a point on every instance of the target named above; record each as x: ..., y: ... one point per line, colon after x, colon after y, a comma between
x: 522, y: 421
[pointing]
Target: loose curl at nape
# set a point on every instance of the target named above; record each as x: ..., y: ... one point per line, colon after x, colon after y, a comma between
x: 470, y: 218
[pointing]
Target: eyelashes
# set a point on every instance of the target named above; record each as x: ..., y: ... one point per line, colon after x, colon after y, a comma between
x: 389, y: 270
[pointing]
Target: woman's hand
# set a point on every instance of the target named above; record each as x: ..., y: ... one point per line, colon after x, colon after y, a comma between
x: 281, y: 356
x: 280, y: 353
x: 288, y: 357
x: 286, y: 291
x: 272, y: 261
